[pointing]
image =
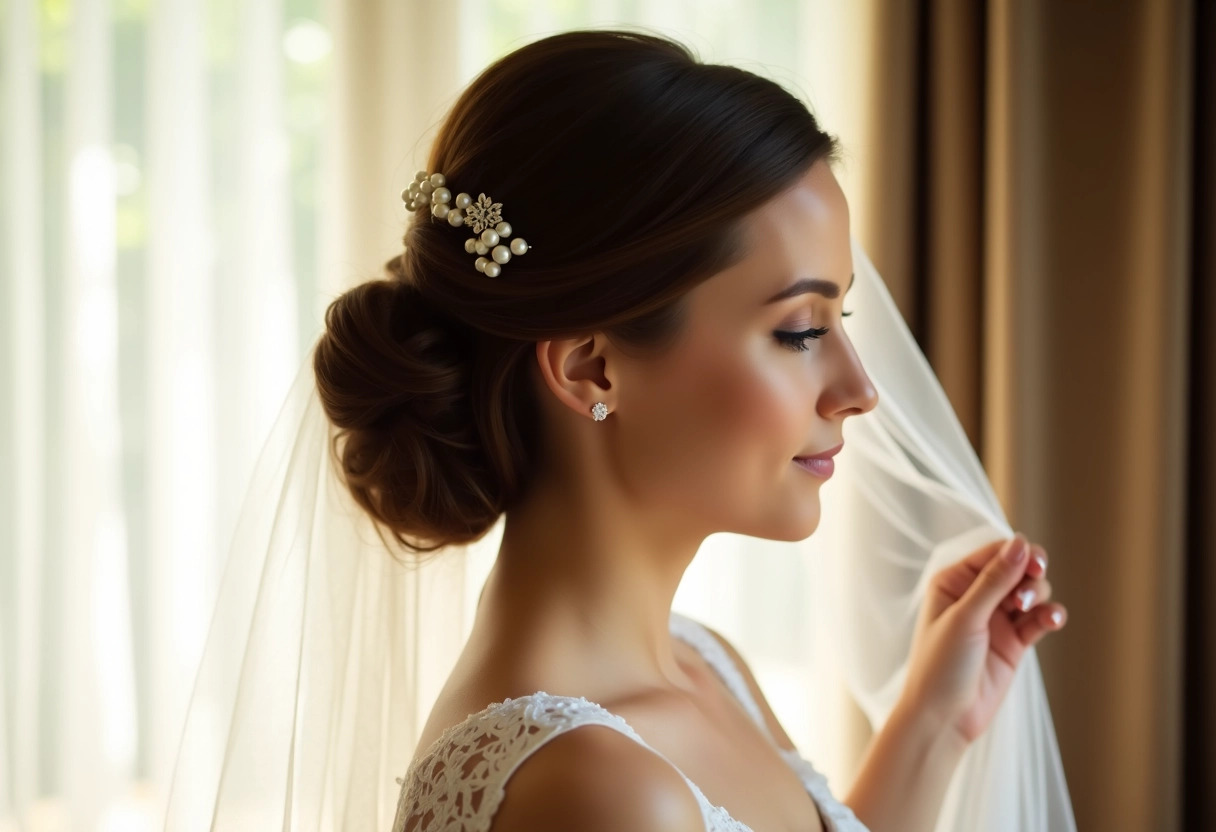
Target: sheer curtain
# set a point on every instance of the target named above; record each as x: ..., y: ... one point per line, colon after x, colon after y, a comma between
x: 185, y: 186
x: 159, y: 196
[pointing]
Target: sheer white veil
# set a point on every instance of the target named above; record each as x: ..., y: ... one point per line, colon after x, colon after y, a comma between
x: 325, y: 653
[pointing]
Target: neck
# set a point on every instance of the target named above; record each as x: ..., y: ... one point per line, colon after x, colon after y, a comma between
x: 587, y: 586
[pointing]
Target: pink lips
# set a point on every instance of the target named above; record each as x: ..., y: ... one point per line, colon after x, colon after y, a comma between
x: 820, y: 464
x: 828, y: 454
x: 819, y: 467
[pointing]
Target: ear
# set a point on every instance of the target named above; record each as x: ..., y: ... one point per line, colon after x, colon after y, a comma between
x: 577, y: 371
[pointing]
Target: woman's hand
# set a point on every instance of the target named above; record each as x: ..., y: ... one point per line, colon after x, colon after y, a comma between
x: 972, y: 632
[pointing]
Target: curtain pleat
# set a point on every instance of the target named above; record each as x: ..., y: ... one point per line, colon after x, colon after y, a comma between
x: 179, y: 374
x: 1199, y: 657
x: 23, y: 492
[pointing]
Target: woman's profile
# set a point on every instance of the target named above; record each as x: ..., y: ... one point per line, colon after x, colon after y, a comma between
x: 628, y: 314
x: 666, y: 357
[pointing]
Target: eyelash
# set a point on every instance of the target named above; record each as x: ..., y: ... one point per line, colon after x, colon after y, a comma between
x: 797, y: 340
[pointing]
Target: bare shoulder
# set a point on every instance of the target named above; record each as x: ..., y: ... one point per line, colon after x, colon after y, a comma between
x: 770, y: 718
x: 594, y: 778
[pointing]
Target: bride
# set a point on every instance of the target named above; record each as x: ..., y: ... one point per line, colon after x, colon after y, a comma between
x: 619, y: 319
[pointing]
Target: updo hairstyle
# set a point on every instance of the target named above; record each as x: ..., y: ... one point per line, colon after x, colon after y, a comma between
x: 628, y: 166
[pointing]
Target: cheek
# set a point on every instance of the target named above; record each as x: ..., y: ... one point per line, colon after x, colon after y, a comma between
x: 763, y: 404
x: 722, y: 415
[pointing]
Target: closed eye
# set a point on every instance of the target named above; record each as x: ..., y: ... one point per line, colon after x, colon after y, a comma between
x: 797, y: 340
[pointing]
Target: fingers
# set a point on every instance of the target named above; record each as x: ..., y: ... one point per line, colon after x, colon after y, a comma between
x: 998, y: 578
x: 1034, y: 589
x: 978, y: 559
x: 1039, y: 621
x: 1029, y: 591
x: 1032, y: 616
x: 1038, y: 561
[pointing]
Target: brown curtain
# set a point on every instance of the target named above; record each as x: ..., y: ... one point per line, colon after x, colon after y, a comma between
x: 1047, y: 223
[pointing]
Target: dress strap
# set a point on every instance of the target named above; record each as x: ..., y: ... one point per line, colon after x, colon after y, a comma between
x: 836, y: 816
x: 694, y: 633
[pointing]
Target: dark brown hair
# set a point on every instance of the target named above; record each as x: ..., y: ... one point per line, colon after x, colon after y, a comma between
x: 628, y: 165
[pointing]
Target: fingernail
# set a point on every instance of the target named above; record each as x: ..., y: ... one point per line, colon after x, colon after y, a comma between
x: 1025, y: 599
x: 1017, y: 552
x: 1057, y: 617
x: 1042, y: 562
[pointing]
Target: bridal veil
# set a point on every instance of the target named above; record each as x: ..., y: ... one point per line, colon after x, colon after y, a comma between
x: 325, y: 651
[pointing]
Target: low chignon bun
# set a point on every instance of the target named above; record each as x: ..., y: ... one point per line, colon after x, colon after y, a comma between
x: 393, y: 377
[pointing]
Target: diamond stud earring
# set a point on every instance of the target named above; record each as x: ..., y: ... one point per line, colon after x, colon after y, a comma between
x: 600, y: 411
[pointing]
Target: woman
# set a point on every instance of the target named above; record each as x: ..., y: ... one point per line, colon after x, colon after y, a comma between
x: 663, y: 357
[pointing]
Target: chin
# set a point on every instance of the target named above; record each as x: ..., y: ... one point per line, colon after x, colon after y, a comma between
x: 799, y: 527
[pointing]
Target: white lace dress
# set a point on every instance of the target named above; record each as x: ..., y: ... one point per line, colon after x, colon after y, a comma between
x: 438, y: 794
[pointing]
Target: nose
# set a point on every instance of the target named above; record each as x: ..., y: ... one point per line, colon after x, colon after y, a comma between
x: 863, y: 396
x: 852, y: 393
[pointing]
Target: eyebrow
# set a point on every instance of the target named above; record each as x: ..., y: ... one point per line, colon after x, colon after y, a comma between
x: 810, y: 284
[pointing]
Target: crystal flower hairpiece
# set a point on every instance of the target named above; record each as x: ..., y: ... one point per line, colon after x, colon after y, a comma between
x: 484, y: 216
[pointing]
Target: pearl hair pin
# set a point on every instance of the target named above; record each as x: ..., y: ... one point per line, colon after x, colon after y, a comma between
x: 484, y: 216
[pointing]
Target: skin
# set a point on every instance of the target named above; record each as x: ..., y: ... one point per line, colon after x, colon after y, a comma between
x: 698, y: 441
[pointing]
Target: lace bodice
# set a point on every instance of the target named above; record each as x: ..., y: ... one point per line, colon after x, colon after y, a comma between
x: 457, y: 784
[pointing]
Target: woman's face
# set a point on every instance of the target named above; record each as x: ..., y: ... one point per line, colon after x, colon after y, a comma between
x: 710, y: 430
